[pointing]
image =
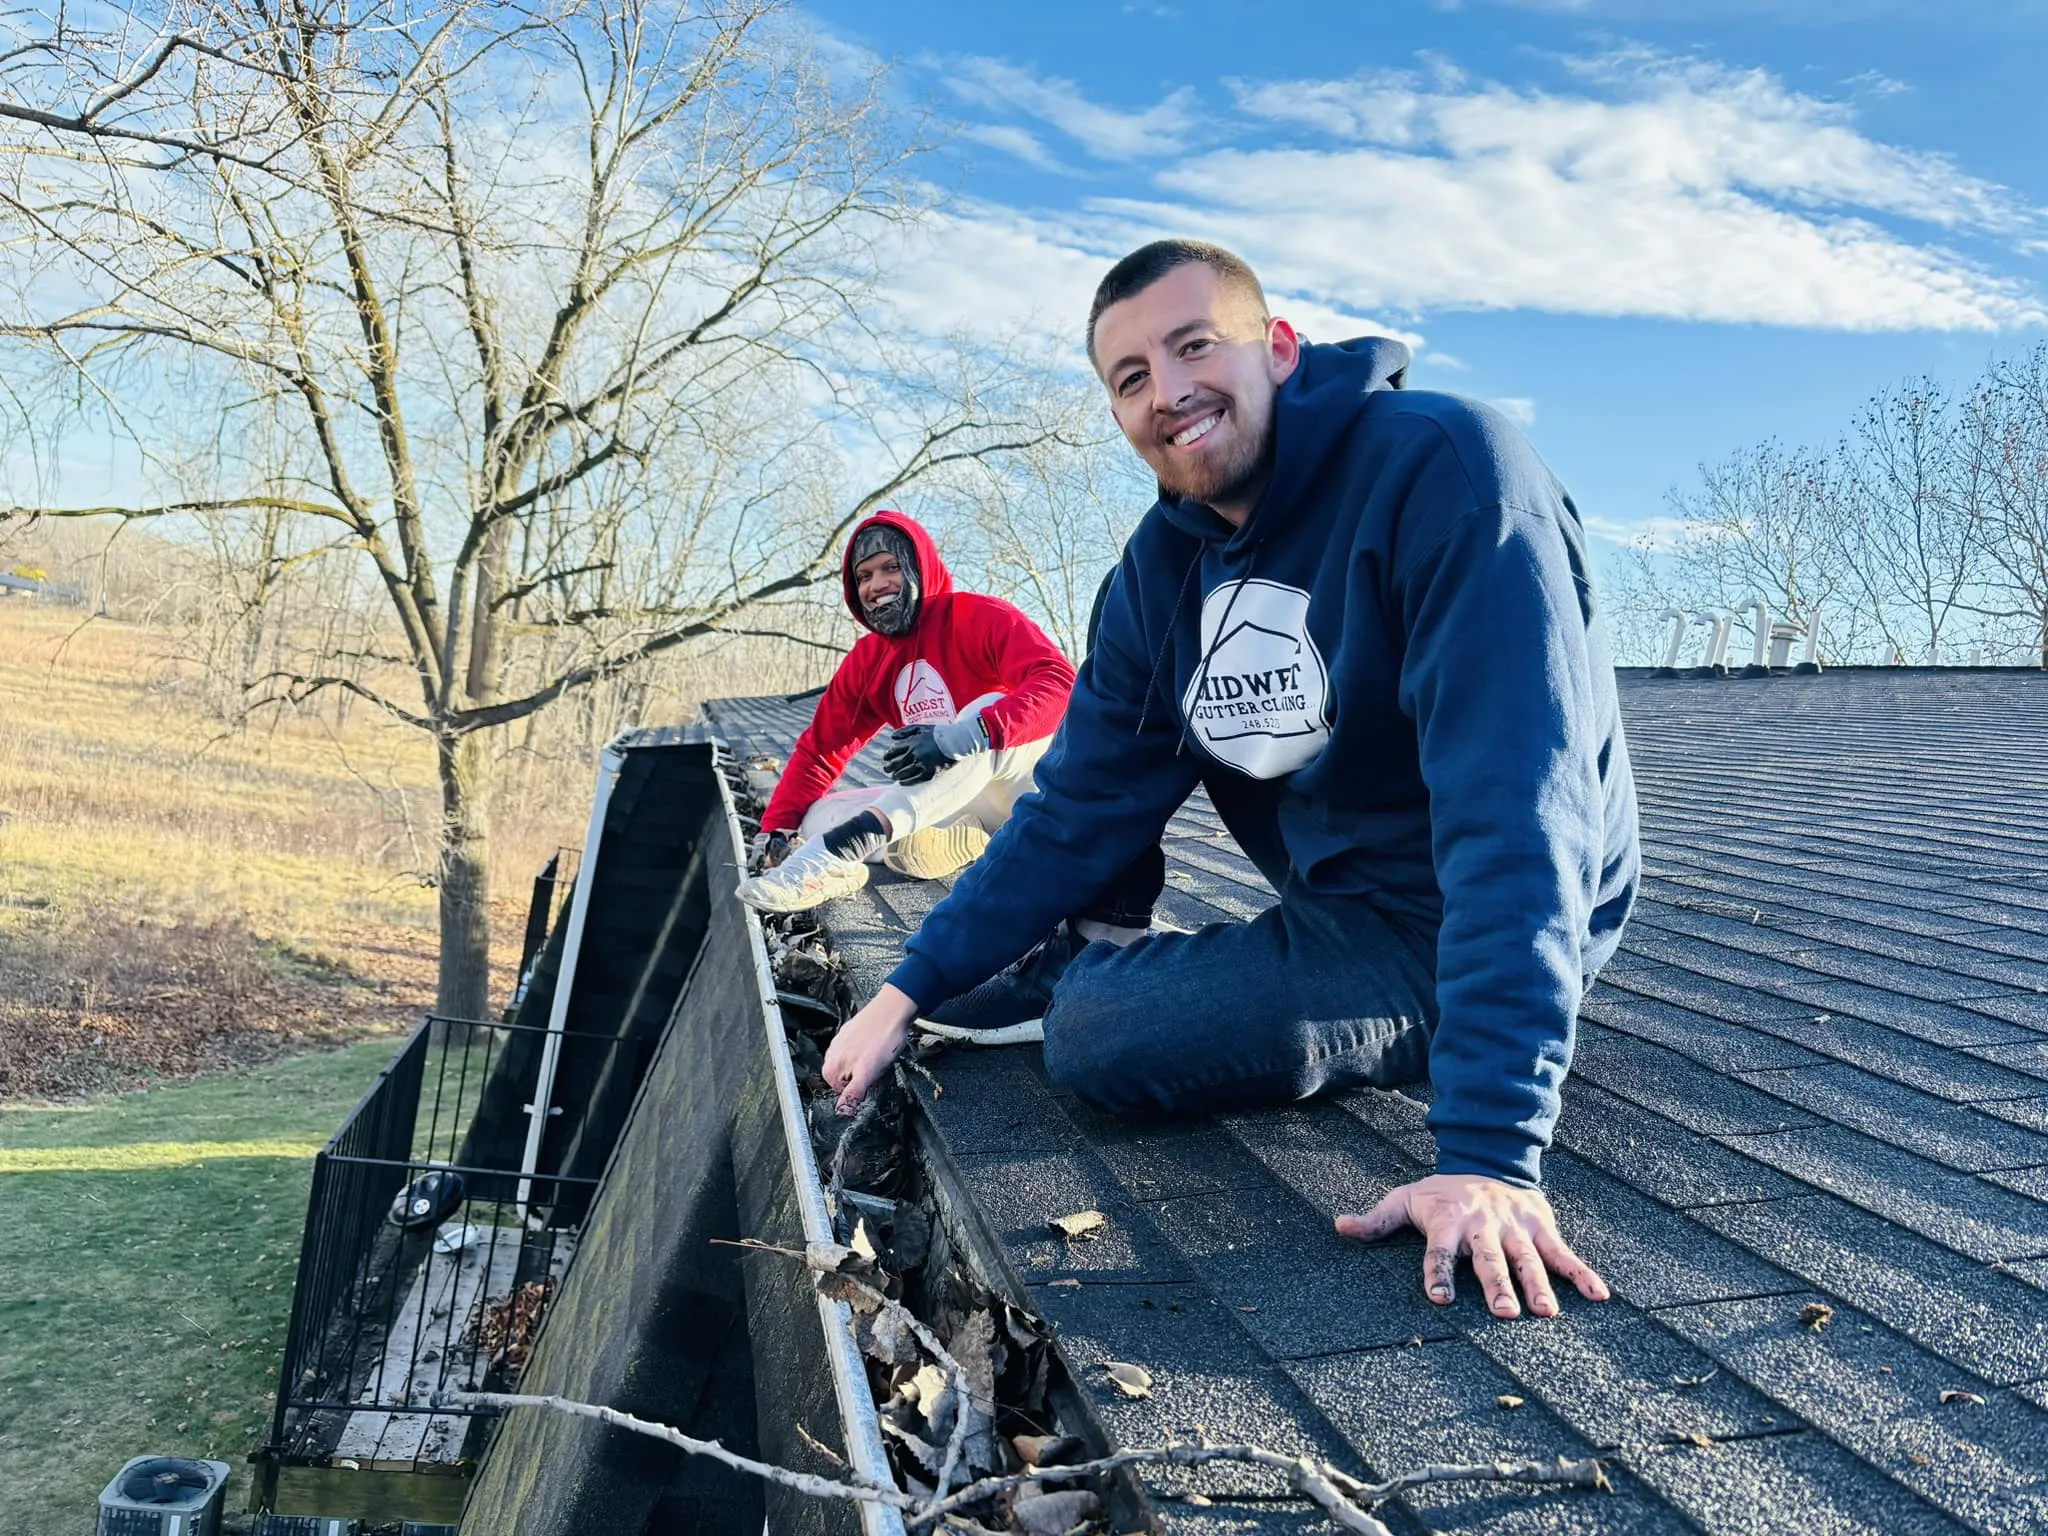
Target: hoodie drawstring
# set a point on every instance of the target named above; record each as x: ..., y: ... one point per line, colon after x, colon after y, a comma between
x: 1222, y: 629
x: 1208, y: 651
x: 1166, y: 642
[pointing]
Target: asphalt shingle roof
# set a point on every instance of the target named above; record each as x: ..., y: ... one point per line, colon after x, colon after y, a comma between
x: 1818, y: 1072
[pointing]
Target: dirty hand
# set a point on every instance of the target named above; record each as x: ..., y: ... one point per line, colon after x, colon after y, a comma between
x: 769, y: 849
x: 1510, y: 1232
x: 865, y: 1045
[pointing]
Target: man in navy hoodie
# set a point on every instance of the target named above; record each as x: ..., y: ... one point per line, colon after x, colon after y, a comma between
x: 1360, y: 617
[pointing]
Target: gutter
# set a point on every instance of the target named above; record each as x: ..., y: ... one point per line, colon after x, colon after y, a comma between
x: 857, y: 1413
x: 609, y: 764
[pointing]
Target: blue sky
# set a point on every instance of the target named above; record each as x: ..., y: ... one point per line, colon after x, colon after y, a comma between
x: 1654, y: 230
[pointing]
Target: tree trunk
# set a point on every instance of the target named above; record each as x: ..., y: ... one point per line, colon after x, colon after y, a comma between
x: 465, y: 984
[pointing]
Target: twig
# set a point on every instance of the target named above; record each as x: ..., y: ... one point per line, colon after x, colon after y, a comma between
x: 1316, y: 1480
x: 193, y: 1321
x: 1339, y: 1495
x: 818, y: 1445
x: 856, y: 1488
x: 834, y: 1281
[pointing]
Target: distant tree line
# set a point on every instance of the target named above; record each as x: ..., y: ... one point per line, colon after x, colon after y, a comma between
x: 1920, y: 537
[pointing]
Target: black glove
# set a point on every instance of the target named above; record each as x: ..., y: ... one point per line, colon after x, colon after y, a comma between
x: 770, y: 849
x: 920, y: 751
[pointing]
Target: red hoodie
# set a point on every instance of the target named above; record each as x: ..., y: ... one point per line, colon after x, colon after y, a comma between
x: 963, y: 646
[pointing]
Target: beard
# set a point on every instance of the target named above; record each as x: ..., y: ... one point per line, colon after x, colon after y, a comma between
x: 1225, y: 470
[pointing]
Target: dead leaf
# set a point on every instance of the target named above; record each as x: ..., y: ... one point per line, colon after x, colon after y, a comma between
x: 1082, y: 1226
x: 1918, y: 1460
x: 927, y: 1389
x: 1816, y: 1315
x: 1054, y: 1514
x: 1075, y: 1284
x: 1958, y: 1395
x: 1507, y: 1400
x: 885, y: 1337
x: 1131, y: 1380
x: 1702, y: 1439
x: 1045, y: 1450
x: 1199, y: 1500
x: 929, y: 1456
x: 1696, y: 1381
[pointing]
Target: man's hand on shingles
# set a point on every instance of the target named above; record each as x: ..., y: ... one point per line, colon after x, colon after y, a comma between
x: 1510, y: 1233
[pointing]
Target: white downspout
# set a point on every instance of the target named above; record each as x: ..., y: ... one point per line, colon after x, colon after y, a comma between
x: 541, y: 1108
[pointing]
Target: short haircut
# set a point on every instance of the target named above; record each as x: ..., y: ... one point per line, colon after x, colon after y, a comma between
x: 1149, y: 263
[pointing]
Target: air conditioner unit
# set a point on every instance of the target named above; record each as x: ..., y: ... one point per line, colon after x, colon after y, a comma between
x: 307, y: 1525
x: 164, y: 1496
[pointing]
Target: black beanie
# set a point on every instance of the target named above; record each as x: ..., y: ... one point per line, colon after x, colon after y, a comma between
x: 896, y: 615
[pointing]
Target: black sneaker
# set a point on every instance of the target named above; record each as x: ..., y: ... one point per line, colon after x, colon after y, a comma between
x: 1008, y: 1008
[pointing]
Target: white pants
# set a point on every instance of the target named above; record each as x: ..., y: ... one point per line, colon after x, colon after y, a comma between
x: 982, y: 789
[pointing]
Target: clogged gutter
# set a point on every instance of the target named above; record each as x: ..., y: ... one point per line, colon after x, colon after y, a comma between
x: 899, y: 1246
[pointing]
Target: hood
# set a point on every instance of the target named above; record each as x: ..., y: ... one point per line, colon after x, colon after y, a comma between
x: 934, y: 580
x: 1312, y: 410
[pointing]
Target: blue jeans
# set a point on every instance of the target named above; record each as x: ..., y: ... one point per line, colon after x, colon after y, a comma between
x: 1317, y: 994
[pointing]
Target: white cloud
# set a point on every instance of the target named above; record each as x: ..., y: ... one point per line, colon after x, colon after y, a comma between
x: 1873, y: 82
x: 1651, y: 187
x: 1519, y: 409
x: 1682, y: 190
x: 1109, y: 133
x: 988, y: 270
x: 1659, y: 535
x: 1012, y: 141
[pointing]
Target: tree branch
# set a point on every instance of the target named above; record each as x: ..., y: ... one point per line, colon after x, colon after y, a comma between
x: 1344, y: 1498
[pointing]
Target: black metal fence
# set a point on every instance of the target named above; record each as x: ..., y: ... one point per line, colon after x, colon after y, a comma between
x: 425, y: 1269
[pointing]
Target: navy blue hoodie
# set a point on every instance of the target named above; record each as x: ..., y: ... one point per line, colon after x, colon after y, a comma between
x: 1395, y: 683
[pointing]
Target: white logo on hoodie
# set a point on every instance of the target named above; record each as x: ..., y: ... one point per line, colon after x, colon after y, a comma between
x: 1259, y: 699
x: 922, y: 697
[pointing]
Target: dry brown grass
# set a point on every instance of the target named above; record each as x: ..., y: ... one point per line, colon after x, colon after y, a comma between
x: 174, y: 897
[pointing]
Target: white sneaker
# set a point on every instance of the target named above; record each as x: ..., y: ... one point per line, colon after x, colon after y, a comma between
x: 808, y: 878
x: 935, y: 852
x: 1030, y: 1032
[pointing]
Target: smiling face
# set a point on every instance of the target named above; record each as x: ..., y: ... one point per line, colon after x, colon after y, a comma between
x: 877, y: 579
x: 1192, y: 367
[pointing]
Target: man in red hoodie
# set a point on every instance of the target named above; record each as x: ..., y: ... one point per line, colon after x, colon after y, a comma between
x: 974, y: 691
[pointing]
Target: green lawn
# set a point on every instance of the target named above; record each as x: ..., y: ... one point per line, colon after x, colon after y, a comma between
x: 147, y: 1246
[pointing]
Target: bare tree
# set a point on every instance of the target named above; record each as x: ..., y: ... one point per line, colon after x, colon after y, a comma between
x: 1044, y: 527
x: 2005, y: 444
x: 548, y: 311
x: 1761, y: 523
x: 1907, y: 519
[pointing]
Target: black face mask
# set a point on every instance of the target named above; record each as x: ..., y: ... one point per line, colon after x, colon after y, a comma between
x: 895, y: 614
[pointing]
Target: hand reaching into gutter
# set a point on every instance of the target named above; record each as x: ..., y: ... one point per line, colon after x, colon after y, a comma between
x: 866, y: 1044
x: 1510, y: 1233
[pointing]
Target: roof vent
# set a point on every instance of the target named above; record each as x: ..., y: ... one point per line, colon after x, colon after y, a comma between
x: 1680, y: 622
x: 1760, y: 653
x: 1810, y: 667
x: 1713, y: 661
